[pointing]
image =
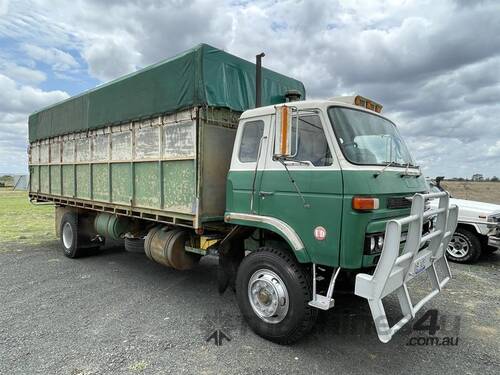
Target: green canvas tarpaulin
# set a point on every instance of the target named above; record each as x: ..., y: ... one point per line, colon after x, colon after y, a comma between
x: 202, y: 76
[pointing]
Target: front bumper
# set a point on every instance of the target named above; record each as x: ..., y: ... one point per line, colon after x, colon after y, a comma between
x: 421, y: 253
x: 494, y: 241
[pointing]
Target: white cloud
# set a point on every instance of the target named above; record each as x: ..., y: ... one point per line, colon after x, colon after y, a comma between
x: 4, y: 7
x: 59, y: 60
x: 494, y: 150
x: 108, y: 59
x: 16, y: 102
x: 15, y: 98
x: 21, y: 73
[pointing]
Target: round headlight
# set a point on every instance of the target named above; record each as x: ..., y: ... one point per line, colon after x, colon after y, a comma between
x: 380, y: 242
x: 372, y: 243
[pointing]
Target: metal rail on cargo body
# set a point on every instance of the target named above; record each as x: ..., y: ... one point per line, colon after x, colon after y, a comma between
x: 421, y: 253
x: 160, y: 216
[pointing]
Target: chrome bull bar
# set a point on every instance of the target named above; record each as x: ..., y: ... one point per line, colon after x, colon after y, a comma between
x: 421, y: 253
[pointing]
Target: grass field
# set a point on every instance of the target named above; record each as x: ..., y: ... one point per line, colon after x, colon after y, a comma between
x: 22, y: 222
x: 477, y: 191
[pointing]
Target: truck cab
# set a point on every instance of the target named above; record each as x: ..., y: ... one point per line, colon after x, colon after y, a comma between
x: 333, y: 183
x: 347, y: 172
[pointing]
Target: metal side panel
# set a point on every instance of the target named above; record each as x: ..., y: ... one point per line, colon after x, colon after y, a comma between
x: 100, y: 182
x: 83, y: 181
x: 179, y: 185
x: 121, y: 182
x: 55, y: 179
x: 34, y: 178
x: 68, y: 180
x: 146, y: 184
x: 217, y: 139
x: 44, y: 179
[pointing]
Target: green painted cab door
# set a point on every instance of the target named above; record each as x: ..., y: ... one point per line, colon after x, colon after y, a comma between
x: 318, y: 177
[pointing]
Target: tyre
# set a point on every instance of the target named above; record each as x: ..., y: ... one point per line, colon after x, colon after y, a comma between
x: 134, y: 245
x: 72, y: 241
x: 489, y: 249
x: 273, y: 291
x: 464, y: 247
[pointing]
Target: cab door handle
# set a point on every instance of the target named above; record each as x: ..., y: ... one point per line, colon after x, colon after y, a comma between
x: 266, y: 193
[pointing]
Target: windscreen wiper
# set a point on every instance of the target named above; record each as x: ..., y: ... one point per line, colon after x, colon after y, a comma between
x: 375, y: 175
x: 408, y: 165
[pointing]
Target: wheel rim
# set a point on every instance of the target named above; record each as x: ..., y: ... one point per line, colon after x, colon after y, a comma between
x: 268, y: 296
x: 67, y: 235
x: 458, y: 247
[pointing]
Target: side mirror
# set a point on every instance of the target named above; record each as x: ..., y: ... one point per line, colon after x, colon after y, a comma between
x: 286, y: 132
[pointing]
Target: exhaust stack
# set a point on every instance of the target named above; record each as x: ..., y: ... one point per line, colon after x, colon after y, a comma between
x: 258, y: 79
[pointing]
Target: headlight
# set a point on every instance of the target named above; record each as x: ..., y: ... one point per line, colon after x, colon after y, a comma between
x: 380, y: 242
x: 374, y: 243
x: 494, y: 219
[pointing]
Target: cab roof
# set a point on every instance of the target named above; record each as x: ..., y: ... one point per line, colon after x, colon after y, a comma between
x: 302, y: 105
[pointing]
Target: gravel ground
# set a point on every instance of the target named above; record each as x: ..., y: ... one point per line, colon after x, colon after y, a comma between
x: 118, y: 312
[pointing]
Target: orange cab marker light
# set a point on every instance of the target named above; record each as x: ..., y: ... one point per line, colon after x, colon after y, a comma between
x: 365, y: 203
x: 284, y: 129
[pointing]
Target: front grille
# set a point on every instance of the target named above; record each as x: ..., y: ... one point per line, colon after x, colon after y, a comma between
x: 398, y: 202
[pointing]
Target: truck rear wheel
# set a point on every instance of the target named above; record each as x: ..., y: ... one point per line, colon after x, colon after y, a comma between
x: 464, y: 247
x: 273, y: 291
x: 71, y: 239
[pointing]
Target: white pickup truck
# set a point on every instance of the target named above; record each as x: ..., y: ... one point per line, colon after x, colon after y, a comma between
x: 478, y: 228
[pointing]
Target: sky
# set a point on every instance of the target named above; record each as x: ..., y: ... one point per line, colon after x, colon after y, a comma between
x: 434, y: 65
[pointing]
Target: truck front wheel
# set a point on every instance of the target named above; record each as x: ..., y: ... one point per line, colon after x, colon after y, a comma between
x: 464, y: 247
x: 273, y: 291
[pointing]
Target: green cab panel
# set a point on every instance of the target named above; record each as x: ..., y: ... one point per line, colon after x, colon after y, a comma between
x: 322, y: 192
x: 357, y: 224
x: 328, y: 195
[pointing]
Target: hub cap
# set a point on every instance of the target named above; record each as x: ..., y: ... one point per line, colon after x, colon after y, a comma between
x: 458, y: 247
x: 67, y: 235
x: 268, y: 296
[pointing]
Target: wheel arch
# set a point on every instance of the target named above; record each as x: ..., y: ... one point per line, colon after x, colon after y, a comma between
x: 471, y: 227
x: 276, y: 226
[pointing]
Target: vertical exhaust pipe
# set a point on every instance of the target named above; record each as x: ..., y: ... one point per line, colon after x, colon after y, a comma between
x: 258, y: 79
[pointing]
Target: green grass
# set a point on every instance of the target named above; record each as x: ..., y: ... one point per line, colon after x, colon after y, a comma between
x: 23, y: 222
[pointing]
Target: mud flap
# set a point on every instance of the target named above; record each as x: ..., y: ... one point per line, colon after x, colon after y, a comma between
x: 422, y: 254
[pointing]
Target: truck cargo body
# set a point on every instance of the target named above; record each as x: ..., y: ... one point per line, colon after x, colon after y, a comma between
x: 170, y: 169
x: 145, y: 145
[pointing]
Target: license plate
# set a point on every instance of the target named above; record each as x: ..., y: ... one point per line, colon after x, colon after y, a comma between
x: 419, y: 266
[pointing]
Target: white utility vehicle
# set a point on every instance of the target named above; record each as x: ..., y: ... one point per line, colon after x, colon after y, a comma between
x: 478, y: 228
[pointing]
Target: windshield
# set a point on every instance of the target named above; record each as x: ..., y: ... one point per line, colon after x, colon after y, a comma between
x: 368, y: 139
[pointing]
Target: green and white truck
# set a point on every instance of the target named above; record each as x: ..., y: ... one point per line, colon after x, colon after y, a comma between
x: 209, y: 154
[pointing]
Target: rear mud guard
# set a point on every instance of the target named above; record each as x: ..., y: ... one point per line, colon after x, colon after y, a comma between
x: 422, y: 254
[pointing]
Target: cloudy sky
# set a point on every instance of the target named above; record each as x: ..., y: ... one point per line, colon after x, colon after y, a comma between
x: 434, y: 65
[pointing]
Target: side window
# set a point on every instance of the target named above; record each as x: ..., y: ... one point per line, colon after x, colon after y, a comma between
x: 312, y: 145
x: 250, y: 139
